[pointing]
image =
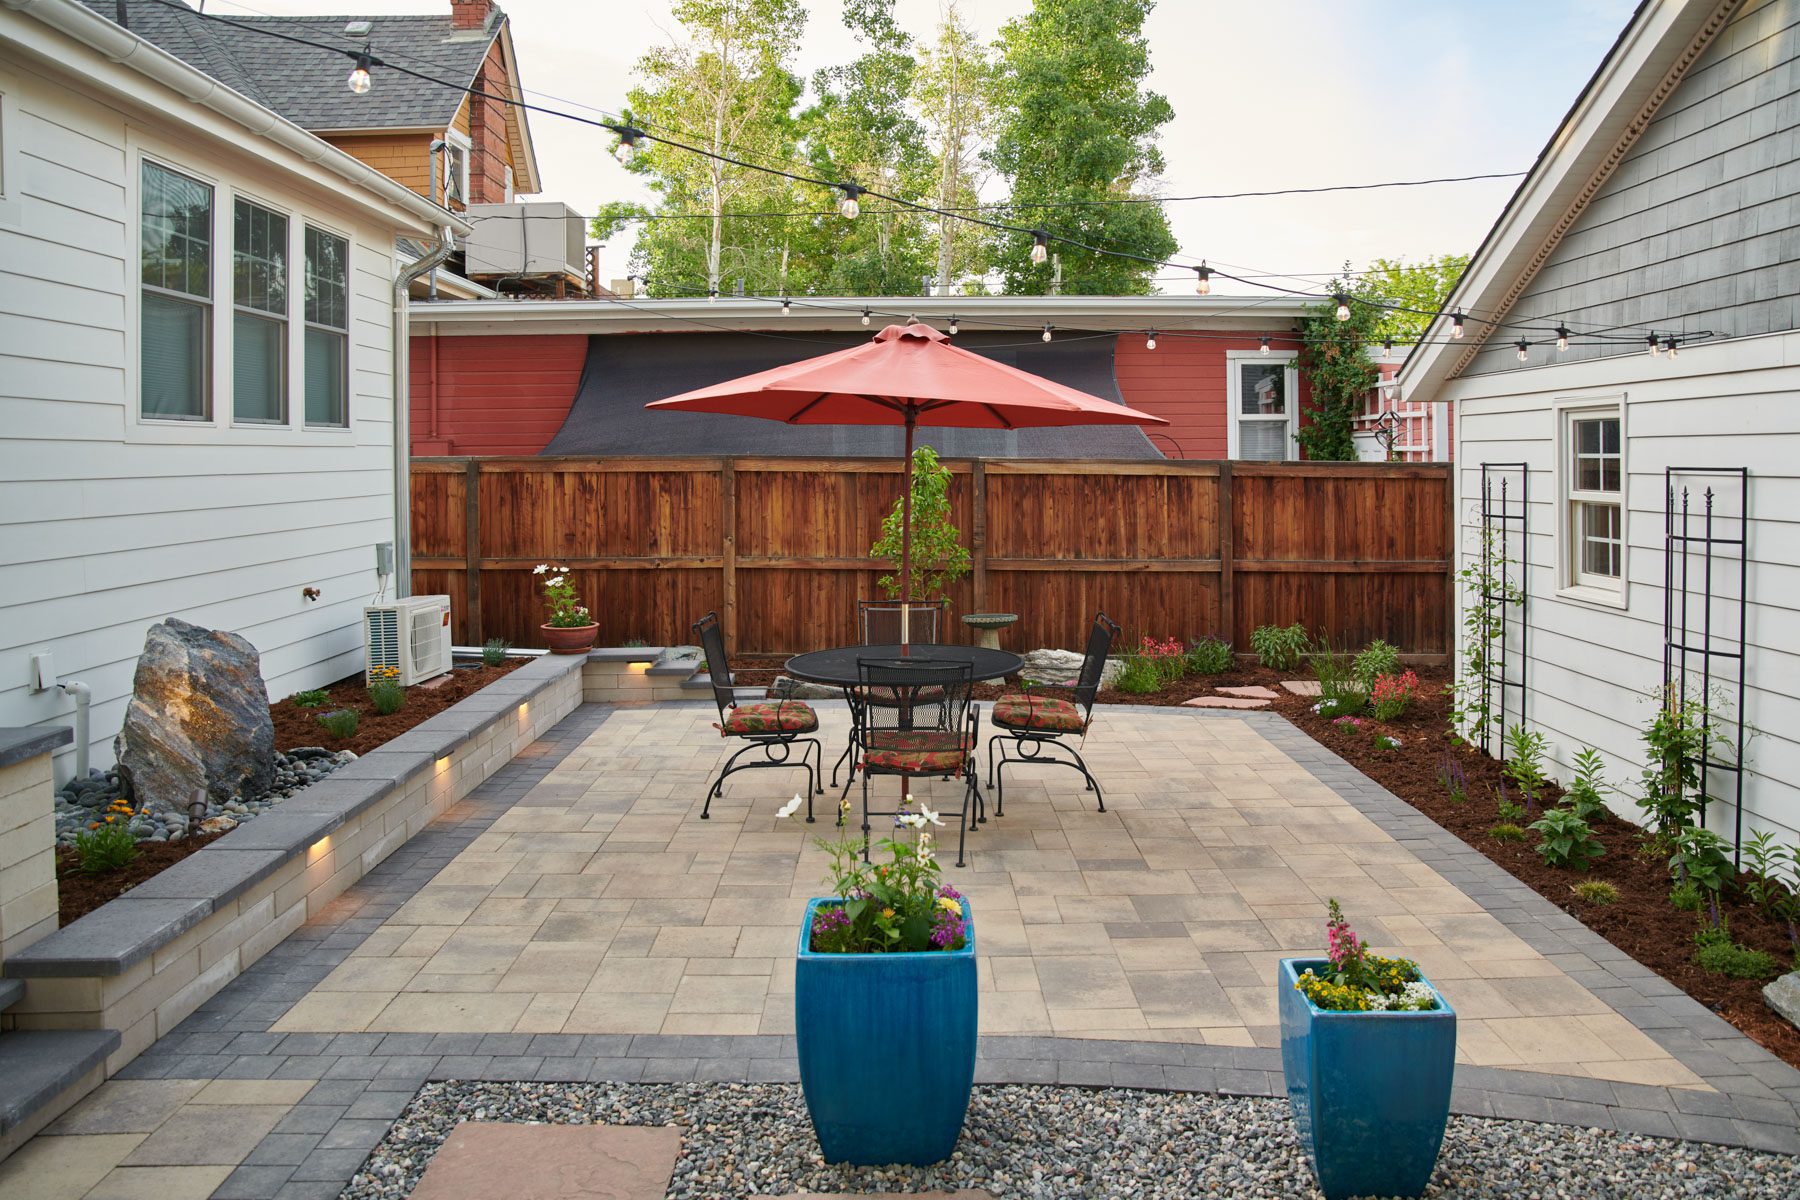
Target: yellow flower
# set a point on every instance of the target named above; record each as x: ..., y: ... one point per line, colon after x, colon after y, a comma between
x: 887, y: 912
x: 950, y: 905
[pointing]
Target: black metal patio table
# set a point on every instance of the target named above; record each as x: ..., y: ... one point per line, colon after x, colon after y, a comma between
x: 837, y: 666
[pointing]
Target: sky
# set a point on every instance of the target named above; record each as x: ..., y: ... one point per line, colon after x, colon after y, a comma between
x: 1276, y: 94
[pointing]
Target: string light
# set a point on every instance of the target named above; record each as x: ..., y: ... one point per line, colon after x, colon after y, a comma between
x: 1387, y: 345
x: 359, y: 81
x: 1343, y: 306
x: 1046, y: 331
x: 628, y: 140
x: 1456, y: 325
x: 1203, y: 282
x: 1524, y: 350
x: 952, y: 324
x: 1040, y: 247
x: 1671, y: 348
x: 787, y: 310
x: 1150, y: 340
x: 865, y: 316
x: 1562, y: 337
x: 849, y: 206
x: 1265, y: 343
x: 712, y: 295
x: 1655, y: 346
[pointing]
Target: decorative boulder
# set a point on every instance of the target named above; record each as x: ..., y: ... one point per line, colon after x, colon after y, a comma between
x: 1063, y: 666
x: 1784, y: 996
x: 198, y: 718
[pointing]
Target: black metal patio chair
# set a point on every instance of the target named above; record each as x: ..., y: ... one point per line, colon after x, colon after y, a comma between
x: 927, y: 724
x: 879, y: 623
x: 772, y: 727
x: 1032, y: 724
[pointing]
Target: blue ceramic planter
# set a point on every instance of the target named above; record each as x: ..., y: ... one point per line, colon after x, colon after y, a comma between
x: 1370, y: 1090
x: 887, y: 1049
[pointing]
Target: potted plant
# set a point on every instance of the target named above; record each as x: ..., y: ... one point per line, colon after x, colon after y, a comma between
x: 885, y: 1001
x: 568, y: 631
x: 1368, y: 1046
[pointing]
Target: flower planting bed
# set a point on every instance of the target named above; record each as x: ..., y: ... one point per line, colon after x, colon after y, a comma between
x: 296, y: 726
x: 78, y: 893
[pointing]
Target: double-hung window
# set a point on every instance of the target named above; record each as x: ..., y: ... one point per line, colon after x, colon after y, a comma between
x: 327, y: 329
x: 1594, y: 462
x: 1260, y: 394
x: 176, y: 311
x: 259, y: 328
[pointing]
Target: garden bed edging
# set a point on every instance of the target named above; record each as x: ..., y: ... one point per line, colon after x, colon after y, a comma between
x: 142, y: 963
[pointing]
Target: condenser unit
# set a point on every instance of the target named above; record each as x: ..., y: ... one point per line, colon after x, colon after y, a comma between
x: 410, y: 635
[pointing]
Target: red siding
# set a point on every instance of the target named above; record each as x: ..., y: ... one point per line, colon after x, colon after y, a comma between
x: 1183, y: 381
x: 502, y: 394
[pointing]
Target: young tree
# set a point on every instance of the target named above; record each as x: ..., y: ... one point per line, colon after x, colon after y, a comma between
x: 1075, y: 124
x: 1420, y: 287
x: 953, y: 91
x: 1334, y: 358
x: 724, y: 86
x: 939, y: 558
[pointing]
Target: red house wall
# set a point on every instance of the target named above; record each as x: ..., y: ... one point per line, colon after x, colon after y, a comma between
x: 1183, y: 381
x: 502, y: 394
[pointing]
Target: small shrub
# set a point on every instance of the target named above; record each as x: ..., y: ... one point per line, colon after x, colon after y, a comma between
x: 633, y: 643
x: 341, y: 723
x: 1210, y: 656
x: 1386, y: 741
x: 1504, y: 807
x: 1392, y: 693
x: 1280, y: 647
x: 1339, y: 692
x: 107, y: 844
x: 1525, y: 763
x: 387, y: 697
x: 315, y: 698
x: 1567, y: 840
x: 1375, y: 660
x: 1685, y: 897
x: 1167, y: 657
x: 1583, y: 792
x: 1701, y: 858
x: 1764, y: 862
x: 1506, y: 831
x: 1596, y: 891
x: 1455, y: 782
x: 1739, y: 962
x: 493, y: 651
x: 1138, y: 676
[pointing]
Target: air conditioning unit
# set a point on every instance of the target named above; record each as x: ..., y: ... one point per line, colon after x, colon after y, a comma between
x: 410, y: 635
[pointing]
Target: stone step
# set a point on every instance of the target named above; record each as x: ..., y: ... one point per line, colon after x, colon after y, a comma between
x: 11, y: 992
x: 1224, y: 702
x: 45, y: 1071
x: 676, y: 660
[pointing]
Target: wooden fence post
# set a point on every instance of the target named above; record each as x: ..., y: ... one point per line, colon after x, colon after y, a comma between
x: 472, y: 552
x: 728, y: 547
x: 978, y: 536
x: 1227, y: 552
x: 1455, y: 534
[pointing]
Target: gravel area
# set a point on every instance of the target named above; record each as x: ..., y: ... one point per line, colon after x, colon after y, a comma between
x: 81, y: 801
x: 1067, y: 1142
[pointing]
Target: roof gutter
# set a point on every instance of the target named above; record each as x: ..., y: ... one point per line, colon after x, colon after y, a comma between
x: 127, y: 48
x: 403, y: 282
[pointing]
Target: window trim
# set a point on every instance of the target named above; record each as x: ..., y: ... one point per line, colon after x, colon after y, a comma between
x: 463, y: 143
x: 1571, y: 582
x: 218, y: 275
x: 1234, y: 400
x: 11, y: 176
x: 306, y: 324
x: 286, y: 319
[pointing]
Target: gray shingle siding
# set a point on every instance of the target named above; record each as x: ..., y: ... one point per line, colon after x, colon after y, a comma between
x: 1699, y: 226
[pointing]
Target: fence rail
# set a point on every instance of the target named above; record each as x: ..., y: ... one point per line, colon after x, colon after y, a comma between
x: 780, y: 546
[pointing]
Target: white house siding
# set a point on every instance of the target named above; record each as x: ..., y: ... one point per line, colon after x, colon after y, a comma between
x: 108, y: 525
x: 1591, y: 667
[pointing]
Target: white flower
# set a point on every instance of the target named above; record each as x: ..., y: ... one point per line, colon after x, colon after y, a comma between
x: 925, y: 814
x: 924, y: 847
x: 540, y: 568
x: 791, y: 807
x: 581, y: 609
x: 554, y: 581
x: 912, y: 820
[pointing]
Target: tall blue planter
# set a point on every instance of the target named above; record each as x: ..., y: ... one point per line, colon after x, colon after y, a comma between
x: 887, y: 1048
x: 1370, y: 1090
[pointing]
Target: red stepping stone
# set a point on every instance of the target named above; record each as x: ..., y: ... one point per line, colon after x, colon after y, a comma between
x: 1224, y: 702
x: 481, y: 1160
x: 1253, y: 692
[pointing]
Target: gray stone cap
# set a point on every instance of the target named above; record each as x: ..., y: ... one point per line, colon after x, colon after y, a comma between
x: 37, y: 1065
x: 18, y: 744
x: 622, y: 654
x: 125, y: 931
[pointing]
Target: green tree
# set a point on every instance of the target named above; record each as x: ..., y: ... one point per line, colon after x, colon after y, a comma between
x: 939, y: 558
x: 1075, y: 124
x: 953, y: 92
x: 1420, y: 287
x: 1334, y: 359
x: 722, y: 85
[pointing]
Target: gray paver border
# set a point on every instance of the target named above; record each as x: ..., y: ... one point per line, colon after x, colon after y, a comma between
x: 364, y: 1079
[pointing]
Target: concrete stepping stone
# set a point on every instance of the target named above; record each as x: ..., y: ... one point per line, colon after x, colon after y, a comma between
x: 1253, y: 692
x: 484, y: 1159
x: 1224, y: 702
x: 1301, y: 687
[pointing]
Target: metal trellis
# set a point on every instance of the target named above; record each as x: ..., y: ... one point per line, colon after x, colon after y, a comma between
x: 1505, y: 572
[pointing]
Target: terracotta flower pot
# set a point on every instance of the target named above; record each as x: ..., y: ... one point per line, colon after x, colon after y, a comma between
x: 570, y: 639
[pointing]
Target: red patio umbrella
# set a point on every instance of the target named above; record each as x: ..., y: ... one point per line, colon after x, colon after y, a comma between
x: 907, y: 375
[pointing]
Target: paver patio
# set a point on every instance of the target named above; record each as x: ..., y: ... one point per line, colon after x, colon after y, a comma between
x: 574, y: 919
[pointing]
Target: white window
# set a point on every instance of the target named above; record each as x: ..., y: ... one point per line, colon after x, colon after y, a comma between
x: 1262, y: 397
x: 456, y: 168
x: 509, y: 183
x: 327, y: 329
x: 259, y: 319
x: 1592, y: 468
x: 175, y: 325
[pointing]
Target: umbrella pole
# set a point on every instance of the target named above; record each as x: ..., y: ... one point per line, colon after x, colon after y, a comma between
x: 906, y: 479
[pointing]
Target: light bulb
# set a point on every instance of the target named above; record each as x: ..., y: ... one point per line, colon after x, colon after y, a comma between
x: 848, y: 207
x: 1672, y: 350
x: 1203, y: 280
x: 1387, y: 345
x: 1562, y: 338
x: 1456, y: 326
x: 1046, y: 331
x: 952, y: 324
x: 627, y: 147
x: 1524, y: 350
x: 1040, y: 247
x: 1343, y: 307
x: 712, y: 295
x: 1655, y: 346
x: 786, y: 308
x: 865, y: 316
x: 359, y: 81
x: 1265, y: 344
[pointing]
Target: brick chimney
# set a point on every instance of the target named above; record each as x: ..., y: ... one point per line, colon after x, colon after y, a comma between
x: 470, y: 14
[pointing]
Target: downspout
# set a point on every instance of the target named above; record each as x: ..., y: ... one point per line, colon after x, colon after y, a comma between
x: 403, y: 408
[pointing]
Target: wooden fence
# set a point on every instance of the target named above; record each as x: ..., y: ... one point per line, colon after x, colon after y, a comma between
x: 780, y: 546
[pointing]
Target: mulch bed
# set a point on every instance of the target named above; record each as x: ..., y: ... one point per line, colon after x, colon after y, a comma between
x: 296, y: 726
x: 1641, y: 922
x: 79, y: 894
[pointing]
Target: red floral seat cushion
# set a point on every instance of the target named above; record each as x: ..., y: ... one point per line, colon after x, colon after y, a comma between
x: 917, y: 752
x: 1044, y: 713
x: 774, y: 716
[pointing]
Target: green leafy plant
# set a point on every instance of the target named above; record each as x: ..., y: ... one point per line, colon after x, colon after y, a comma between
x: 493, y: 651
x: 1596, y: 891
x: 1335, y: 362
x: 561, y: 602
x: 341, y: 723
x: 1702, y: 858
x: 1473, y: 715
x: 1566, y: 840
x: 1678, y: 738
x: 1720, y: 955
x: 1582, y: 796
x: 387, y: 697
x: 1508, y: 812
x: 106, y: 848
x: 1376, y: 659
x: 1137, y: 676
x: 1386, y: 741
x: 1168, y: 658
x: 1392, y: 694
x: 1506, y: 831
x: 1210, y: 656
x: 1765, y: 863
x: 1525, y: 763
x: 1453, y: 779
x: 939, y: 558
x: 895, y: 906
x: 1686, y: 897
x: 1339, y: 692
x: 315, y: 698
x: 633, y: 643
x: 1280, y: 647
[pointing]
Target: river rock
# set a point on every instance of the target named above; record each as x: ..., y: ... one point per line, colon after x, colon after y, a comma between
x: 1063, y: 666
x: 1784, y: 996
x: 198, y: 718
x: 788, y: 688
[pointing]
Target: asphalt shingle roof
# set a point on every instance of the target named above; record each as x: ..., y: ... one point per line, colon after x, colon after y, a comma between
x: 306, y: 84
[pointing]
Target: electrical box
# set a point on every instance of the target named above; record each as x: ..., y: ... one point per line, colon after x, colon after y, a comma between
x: 384, y: 558
x: 43, y: 671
